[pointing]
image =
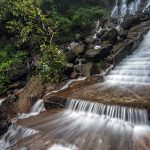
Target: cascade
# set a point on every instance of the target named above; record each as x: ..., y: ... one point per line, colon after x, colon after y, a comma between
x: 115, y: 11
x: 14, y: 134
x: 90, y: 125
x: 98, y: 29
x: 134, y: 6
x: 125, y: 114
x: 147, y: 7
x: 35, y: 110
x: 135, y: 68
x: 123, y: 9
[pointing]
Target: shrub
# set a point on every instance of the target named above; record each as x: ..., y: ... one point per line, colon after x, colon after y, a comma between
x: 9, y: 57
x: 51, y: 64
x: 83, y: 18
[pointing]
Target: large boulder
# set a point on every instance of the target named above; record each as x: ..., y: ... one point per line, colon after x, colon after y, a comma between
x: 78, y: 48
x: 33, y: 91
x: 110, y: 36
x: 89, y: 40
x: 123, y: 34
x: 70, y: 56
x: 130, y: 21
x: 86, y: 69
x: 100, y: 53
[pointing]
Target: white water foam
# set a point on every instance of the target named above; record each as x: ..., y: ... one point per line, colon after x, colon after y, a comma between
x: 2, y: 100
x: 62, y: 147
x: 135, y: 68
x: 14, y: 134
x: 67, y: 85
x: 35, y: 110
x: 84, y: 126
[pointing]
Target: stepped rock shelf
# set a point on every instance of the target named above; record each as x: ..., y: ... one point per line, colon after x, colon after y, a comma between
x: 98, y: 92
x: 127, y: 84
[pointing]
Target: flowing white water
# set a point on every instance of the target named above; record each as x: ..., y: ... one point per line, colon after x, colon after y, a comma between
x: 115, y: 10
x: 15, y: 132
x: 62, y: 147
x: 147, y: 7
x: 134, y: 6
x: 98, y: 29
x: 125, y: 114
x: 123, y: 8
x: 35, y: 110
x: 67, y: 84
x: 93, y: 126
x: 135, y: 68
x: 1, y: 100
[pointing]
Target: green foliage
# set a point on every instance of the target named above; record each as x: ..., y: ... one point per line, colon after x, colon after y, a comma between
x: 101, y: 65
x: 27, y: 21
x: 79, y: 20
x: 83, y: 18
x: 64, y: 27
x: 52, y: 63
x: 8, y: 58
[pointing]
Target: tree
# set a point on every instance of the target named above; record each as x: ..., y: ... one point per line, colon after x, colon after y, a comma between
x: 31, y: 29
x: 27, y: 21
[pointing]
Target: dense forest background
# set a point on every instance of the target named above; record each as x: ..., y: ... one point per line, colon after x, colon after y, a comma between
x: 31, y: 32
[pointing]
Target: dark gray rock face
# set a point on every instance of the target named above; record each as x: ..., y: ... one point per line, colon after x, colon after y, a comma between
x: 132, y: 20
x: 100, y: 53
x: 70, y: 56
x: 110, y: 36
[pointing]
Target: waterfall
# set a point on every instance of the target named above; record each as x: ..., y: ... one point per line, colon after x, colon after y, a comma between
x: 125, y: 114
x: 35, y: 110
x: 14, y: 134
x: 135, y: 68
x: 115, y: 10
x: 134, y: 6
x: 98, y: 29
x: 147, y: 7
x: 90, y: 125
x: 123, y: 9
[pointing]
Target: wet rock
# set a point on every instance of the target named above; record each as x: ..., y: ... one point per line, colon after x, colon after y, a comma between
x: 74, y: 75
x: 78, y: 48
x: 89, y: 40
x: 55, y: 102
x: 70, y: 56
x: 99, y: 35
x: 98, y: 53
x: 123, y: 34
x: 31, y: 93
x: 110, y: 36
x: 86, y: 69
x: 130, y: 21
x: 69, y: 69
x: 78, y: 37
x: 78, y: 68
